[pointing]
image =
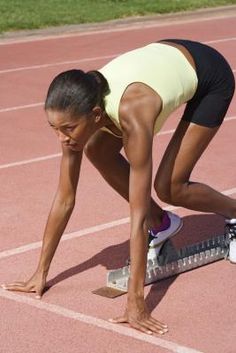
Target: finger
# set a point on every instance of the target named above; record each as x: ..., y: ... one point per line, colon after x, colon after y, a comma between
x: 4, y: 285
x: 119, y: 320
x: 152, y: 327
x: 141, y: 328
x: 17, y: 288
x: 158, y: 323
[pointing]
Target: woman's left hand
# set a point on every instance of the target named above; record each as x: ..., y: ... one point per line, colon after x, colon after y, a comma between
x: 138, y: 317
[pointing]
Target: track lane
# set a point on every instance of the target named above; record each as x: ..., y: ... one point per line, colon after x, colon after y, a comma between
x: 25, y: 220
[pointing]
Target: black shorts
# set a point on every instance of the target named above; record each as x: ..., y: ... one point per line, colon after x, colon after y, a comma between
x: 215, y: 88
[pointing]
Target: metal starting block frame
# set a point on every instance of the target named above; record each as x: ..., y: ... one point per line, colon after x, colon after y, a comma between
x: 172, y: 262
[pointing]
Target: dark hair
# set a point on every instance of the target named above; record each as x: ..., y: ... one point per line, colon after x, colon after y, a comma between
x: 76, y: 92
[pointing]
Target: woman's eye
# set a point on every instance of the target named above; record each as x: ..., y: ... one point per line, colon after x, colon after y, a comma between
x: 69, y: 128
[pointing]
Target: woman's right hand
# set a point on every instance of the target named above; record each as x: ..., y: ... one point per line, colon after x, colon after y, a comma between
x: 36, y: 284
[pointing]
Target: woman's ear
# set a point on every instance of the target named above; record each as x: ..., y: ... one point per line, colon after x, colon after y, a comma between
x: 97, y: 113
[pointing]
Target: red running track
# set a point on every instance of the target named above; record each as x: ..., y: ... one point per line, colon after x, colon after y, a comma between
x: 197, y: 306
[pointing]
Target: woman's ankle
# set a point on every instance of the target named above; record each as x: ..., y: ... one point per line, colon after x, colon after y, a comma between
x: 155, y: 220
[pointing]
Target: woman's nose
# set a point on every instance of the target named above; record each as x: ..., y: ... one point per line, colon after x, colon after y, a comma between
x: 63, y: 137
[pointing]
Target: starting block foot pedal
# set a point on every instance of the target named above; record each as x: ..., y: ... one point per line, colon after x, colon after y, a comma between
x: 170, y: 262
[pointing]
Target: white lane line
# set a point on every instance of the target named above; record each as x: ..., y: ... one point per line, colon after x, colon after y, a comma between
x: 19, y: 107
x: 29, y: 161
x: 73, y: 235
x: 222, y: 40
x: 59, y: 63
x: 230, y: 118
x: 34, y: 67
x: 51, y: 156
x: 229, y: 192
x: 87, y: 231
x: 99, y: 323
x: 166, y: 132
x: 34, y: 105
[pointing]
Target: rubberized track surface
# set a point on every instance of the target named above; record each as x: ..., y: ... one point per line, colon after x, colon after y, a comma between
x: 197, y: 306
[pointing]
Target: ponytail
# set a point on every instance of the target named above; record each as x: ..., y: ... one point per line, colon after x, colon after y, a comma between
x: 102, y: 86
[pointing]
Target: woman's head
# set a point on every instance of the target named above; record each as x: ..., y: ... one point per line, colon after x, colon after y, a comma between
x: 76, y: 98
x: 76, y: 92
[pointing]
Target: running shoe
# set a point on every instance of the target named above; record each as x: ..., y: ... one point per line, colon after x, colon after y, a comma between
x: 230, y: 231
x: 171, y: 224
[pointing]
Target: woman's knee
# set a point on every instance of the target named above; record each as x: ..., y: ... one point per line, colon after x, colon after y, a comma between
x: 162, y: 188
x: 178, y: 193
x: 172, y: 193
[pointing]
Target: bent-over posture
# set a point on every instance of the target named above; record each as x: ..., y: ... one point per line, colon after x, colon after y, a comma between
x: 123, y: 105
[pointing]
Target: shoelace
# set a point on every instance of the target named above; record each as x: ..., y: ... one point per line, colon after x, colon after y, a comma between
x: 151, y: 236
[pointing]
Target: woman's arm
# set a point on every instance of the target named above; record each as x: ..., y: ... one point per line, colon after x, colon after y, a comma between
x: 138, y: 148
x: 138, y: 125
x: 59, y: 215
x: 62, y: 206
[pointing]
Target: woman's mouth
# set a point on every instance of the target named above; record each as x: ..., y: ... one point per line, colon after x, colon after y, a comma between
x: 73, y: 146
x: 69, y: 144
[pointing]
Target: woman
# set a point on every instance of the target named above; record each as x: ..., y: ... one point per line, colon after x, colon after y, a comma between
x: 123, y: 105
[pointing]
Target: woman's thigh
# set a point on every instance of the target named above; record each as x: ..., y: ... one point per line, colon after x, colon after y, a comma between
x: 184, y: 150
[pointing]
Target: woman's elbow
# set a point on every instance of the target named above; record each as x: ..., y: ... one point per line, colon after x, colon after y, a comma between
x: 66, y: 202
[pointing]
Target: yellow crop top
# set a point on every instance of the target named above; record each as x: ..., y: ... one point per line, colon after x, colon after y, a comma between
x: 162, y: 67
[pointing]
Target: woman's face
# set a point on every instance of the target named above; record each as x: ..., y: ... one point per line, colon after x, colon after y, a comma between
x: 73, y: 132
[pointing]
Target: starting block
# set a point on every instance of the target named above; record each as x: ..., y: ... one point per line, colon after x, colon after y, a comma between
x: 170, y: 262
